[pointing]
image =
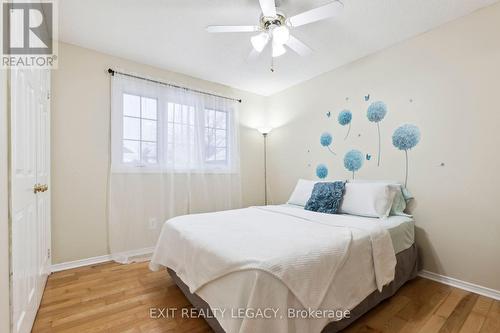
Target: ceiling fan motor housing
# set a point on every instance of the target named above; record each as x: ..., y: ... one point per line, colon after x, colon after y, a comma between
x: 268, y: 23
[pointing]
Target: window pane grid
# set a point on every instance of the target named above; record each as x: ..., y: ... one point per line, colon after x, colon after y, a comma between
x: 216, y: 133
x: 140, y: 129
x: 190, y: 137
x: 181, y: 135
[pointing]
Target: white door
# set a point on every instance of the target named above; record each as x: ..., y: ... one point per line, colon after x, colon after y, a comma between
x: 30, y: 198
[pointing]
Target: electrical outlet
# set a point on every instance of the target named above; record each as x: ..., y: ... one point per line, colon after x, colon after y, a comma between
x: 153, y: 223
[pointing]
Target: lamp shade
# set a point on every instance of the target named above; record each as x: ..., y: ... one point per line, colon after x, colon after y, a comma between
x: 265, y: 130
x: 281, y: 34
x: 278, y: 50
x: 260, y: 41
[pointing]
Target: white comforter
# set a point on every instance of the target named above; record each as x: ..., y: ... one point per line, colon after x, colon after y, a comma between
x: 303, y: 251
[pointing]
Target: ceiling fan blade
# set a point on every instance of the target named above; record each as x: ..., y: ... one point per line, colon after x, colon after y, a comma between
x: 232, y: 28
x: 268, y: 7
x: 316, y: 14
x: 299, y: 47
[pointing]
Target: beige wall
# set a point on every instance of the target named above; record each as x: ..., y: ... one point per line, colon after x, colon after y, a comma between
x: 80, y: 139
x: 453, y: 76
x: 4, y: 209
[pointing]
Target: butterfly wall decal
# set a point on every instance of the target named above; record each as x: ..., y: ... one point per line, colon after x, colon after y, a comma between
x: 367, y: 98
x: 328, y: 114
x: 368, y: 157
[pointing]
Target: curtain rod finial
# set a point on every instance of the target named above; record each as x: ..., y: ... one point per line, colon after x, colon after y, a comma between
x: 110, y: 71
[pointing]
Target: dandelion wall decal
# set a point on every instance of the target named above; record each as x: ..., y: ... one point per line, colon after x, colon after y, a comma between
x: 353, y: 161
x: 405, y: 138
x: 326, y: 140
x: 345, y: 118
x: 376, y: 112
x: 321, y: 171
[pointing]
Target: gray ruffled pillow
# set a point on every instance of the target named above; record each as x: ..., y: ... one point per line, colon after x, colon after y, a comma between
x: 326, y: 197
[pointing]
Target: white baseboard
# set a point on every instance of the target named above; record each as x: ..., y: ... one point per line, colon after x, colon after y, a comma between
x: 80, y: 263
x: 100, y: 259
x: 488, y: 292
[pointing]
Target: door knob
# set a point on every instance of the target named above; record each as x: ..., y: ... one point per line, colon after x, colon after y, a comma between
x: 40, y: 188
x: 37, y: 188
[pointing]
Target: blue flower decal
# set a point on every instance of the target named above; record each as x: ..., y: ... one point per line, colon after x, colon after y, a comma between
x: 406, y: 137
x: 376, y: 111
x: 321, y: 171
x: 345, y: 117
x: 326, y: 139
x: 353, y: 161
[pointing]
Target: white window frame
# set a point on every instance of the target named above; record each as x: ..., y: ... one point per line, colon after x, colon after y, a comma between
x: 228, y: 128
x: 140, y: 140
x: 117, y: 118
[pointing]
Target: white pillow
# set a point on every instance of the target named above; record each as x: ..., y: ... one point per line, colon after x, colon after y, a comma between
x: 302, y: 192
x: 368, y: 199
x: 399, y: 203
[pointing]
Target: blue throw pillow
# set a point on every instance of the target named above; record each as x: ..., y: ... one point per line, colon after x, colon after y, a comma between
x: 326, y: 197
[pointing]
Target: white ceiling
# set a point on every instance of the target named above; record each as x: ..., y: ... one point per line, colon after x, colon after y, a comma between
x: 171, y: 34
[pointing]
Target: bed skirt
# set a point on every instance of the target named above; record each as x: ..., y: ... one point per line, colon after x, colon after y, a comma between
x: 406, y: 269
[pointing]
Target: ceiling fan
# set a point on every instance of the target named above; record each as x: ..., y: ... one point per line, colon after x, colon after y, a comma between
x: 274, y: 26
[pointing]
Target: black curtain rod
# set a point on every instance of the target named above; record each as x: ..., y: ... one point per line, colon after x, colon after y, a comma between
x: 112, y: 72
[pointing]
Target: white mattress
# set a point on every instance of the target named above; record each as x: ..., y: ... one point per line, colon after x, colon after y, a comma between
x: 401, y: 229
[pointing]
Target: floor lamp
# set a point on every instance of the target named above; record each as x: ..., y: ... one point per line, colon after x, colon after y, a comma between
x: 265, y: 131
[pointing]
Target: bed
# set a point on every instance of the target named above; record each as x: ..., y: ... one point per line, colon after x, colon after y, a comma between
x: 305, y: 268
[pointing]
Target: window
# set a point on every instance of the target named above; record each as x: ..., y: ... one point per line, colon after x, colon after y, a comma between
x: 140, y: 129
x: 155, y: 129
x: 181, y: 134
x: 215, y: 136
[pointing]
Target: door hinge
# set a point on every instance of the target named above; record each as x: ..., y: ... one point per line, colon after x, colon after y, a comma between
x: 48, y: 253
x: 48, y: 95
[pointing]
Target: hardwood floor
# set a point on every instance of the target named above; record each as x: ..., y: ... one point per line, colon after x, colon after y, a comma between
x: 111, y: 297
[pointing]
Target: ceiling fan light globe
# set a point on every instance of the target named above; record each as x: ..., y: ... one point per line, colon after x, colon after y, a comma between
x: 278, y: 50
x: 281, y: 34
x: 259, y: 41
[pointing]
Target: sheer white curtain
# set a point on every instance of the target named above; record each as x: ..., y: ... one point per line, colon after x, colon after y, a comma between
x: 173, y: 152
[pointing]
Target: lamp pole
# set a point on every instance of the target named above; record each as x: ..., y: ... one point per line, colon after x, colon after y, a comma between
x: 265, y: 167
x: 265, y: 131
